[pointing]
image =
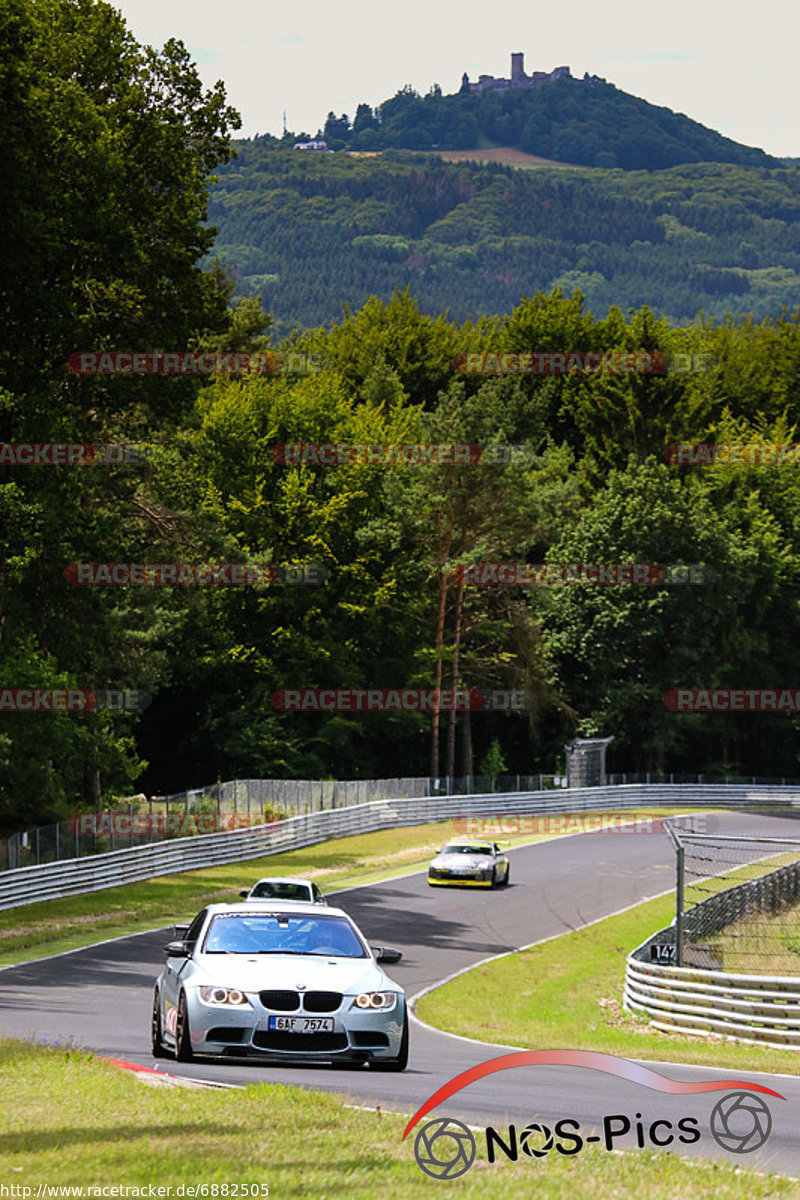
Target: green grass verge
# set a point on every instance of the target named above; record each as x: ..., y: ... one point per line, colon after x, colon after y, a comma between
x: 53, y: 926
x: 71, y: 1120
x: 769, y: 942
x: 567, y: 994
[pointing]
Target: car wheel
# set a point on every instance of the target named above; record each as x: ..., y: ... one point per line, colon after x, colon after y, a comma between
x: 183, y: 1040
x: 395, y: 1064
x: 156, y: 1044
x: 494, y: 878
x: 508, y: 876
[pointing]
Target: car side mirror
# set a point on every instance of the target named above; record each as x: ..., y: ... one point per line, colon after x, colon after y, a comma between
x: 180, y: 931
x: 244, y: 893
x: 387, y: 954
x: 177, y: 949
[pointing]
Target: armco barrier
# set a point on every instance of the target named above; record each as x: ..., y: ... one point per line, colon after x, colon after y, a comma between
x: 27, y: 884
x: 761, y: 1009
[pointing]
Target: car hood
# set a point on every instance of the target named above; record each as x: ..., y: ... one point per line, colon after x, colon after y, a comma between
x: 462, y: 862
x: 253, y: 974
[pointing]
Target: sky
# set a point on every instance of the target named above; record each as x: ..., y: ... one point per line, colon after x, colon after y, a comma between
x: 734, y: 68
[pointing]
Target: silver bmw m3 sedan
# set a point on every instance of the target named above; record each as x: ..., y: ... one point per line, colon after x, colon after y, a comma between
x: 281, y: 980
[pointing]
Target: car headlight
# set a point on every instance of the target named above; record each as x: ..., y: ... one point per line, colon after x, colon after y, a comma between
x: 375, y: 1001
x: 224, y: 997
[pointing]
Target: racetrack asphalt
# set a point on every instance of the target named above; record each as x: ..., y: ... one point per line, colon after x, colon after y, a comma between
x: 100, y: 997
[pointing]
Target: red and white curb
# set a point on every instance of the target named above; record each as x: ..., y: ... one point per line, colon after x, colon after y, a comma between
x: 153, y: 1077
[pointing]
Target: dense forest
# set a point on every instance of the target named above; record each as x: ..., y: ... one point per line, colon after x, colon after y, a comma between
x: 110, y: 152
x: 310, y: 233
x: 586, y: 121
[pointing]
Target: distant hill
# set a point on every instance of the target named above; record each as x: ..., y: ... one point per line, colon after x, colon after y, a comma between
x: 586, y: 121
x: 312, y: 232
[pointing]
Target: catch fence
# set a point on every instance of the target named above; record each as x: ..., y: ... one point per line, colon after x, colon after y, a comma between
x: 736, y: 901
x: 243, y: 803
x: 236, y: 804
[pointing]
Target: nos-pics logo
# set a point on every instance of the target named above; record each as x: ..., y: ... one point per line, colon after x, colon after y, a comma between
x: 445, y: 1148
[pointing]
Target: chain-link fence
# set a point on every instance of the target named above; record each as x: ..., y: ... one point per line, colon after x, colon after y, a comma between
x: 237, y: 804
x: 737, y: 901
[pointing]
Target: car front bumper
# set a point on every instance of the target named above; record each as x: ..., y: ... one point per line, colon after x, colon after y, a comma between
x: 358, y: 1034
x: 441, y: 879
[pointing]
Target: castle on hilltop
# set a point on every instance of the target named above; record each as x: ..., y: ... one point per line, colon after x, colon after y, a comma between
x: 518, y: 78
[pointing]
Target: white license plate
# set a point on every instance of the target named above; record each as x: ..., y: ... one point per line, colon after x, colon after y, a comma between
x: 301, y: 1024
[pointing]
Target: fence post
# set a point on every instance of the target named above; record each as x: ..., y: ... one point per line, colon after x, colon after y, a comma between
x: 37, y: 845
x: 130, y: 825
x: 679, y: 908
x: 57, y: 847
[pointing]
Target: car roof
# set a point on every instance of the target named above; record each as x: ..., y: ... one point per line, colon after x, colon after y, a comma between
x: 262, y: 903
x: 282, y: 879
x: 470, y: 842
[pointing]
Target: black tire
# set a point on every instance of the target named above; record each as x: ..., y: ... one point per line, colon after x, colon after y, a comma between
x: 156, y: 1044
x: 494, y: 878
x: 508, y: 875
x: 395, y: 1064
x: 183, y: 1040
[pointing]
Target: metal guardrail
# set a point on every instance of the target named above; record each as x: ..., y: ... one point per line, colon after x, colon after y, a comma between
x: 240, y: 803
x: 28, y: 884
x: 760, y: 1009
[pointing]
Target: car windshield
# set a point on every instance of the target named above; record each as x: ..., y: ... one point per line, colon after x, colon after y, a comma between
x: 281, y: 891
x: 459, y: 848
x: 282, y: 933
